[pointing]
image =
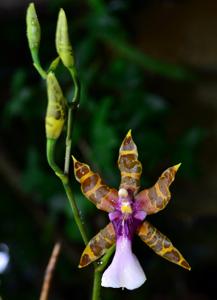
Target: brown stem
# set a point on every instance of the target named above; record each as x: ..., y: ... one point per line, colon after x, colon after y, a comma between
x: 49, y: 271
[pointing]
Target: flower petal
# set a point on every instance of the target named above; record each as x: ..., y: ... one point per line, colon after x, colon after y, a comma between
x: 157, y: 197
x: 98, y: 245
x: 161, y: 245
x: 129, y: 165
x: 93, y: 187
x: 125, y: 270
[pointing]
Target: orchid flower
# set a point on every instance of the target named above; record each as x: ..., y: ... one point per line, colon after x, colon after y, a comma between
x: 127, y: 210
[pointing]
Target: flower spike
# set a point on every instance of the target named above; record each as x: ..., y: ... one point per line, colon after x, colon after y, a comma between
x: 157, y: 197
x: 129, y: 165
x: 93, y: 187
x: 98, y: 245
x: 161, y: 245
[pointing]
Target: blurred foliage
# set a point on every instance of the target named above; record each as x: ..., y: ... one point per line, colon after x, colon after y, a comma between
x: 117, y: 94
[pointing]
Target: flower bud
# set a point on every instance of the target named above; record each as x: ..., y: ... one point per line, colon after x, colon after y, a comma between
x: 55, y: 116
x: 33, y: 28
x: 63, y: 45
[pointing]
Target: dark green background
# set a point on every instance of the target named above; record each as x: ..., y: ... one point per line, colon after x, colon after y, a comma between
x: 145, y: 65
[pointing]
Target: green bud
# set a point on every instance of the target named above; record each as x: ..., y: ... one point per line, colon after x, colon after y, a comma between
x: 33, y: 28
x: 55, y: 116
x: 63, y: 45
x: 54, y: 64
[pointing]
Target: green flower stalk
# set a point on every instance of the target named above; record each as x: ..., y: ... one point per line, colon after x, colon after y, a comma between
x: 60, y: 113
x: 63, y: 45
x: 55, y: 116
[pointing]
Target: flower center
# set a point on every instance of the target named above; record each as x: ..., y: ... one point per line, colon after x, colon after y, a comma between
x: 125, y: 203
x: 126, y: 218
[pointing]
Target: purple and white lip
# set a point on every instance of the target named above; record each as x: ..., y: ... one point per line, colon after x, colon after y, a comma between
x: 125, y: 270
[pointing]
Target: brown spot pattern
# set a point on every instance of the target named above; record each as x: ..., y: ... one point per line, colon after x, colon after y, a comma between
x: 58, y: 115
x: 98, y: 245
x: 77, y: 164
x: 158, y: 196
x: 90, y: 182
x: 155, y: 199
x: 161, y: 245
x: 102, y: 191
x: 85, y: 260
x: 172, y: 255
x: 185, y: 265
x: 83, y: 170
x: 108, y: 202
x: 158, y: 246
x: 94, y: 188
x: 128, y: 144
x: 129, y: 165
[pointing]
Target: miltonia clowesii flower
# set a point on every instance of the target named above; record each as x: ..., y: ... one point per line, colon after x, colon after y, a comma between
x: 127, y: 210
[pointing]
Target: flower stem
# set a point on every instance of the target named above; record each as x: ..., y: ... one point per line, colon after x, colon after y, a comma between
x: 75, y: 211
x: 72, y: 109
x: 96, y: 285
x: 98, y: 273
x: 68, y: 142
x: 51, y: 143
x: 37, y: 64
x: 65, y: 181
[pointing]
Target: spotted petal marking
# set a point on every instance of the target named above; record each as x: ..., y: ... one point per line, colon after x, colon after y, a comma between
x: 93, y: 187
x: 129, y: 165
x: 157, y: 197
x: 161, y: 245
x: 98, y: 245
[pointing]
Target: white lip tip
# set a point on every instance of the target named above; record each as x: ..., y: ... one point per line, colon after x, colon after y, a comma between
x: 125, y: 270
x: 114, y: 285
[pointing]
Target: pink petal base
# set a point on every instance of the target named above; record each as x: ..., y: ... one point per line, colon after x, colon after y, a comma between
x: 125, y: 270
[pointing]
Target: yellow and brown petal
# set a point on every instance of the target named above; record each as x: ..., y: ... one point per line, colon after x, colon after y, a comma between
x: 129, y: 165
x: 98, y: 245
x: 157, y: 197
x: 161, y: 245
x: 93, y: 187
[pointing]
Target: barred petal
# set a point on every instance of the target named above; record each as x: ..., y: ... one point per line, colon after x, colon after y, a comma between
x: 98, y: 245
x: 129, y: 165
x: 161, y: 245
x: 157, y: 197
x: 93, y: 187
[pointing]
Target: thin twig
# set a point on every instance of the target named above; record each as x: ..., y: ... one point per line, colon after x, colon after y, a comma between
x: 49, y: 271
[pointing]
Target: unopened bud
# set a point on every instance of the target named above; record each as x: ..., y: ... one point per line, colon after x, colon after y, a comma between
x: 55, y: 116
x: 63, y: 45
x: 33, y: 28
